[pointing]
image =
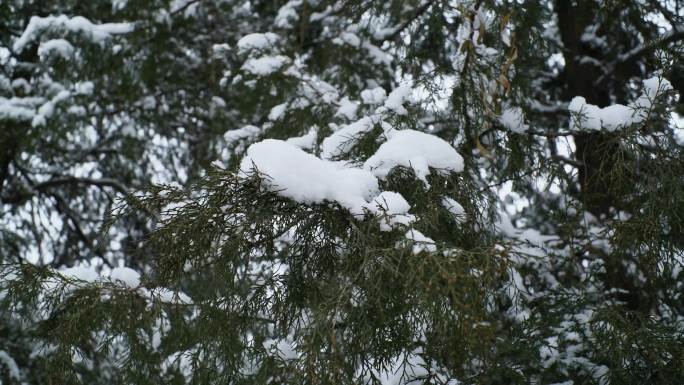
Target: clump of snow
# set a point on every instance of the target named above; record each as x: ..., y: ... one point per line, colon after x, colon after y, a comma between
x: 287, y: 14
x: 246, y: 132
x: 392, y: 203
x: 257, y: 41
x: 454, y: 208
x: 306, y: 141
x: 592, y: 117
x: 22, y: 109
x: 393, y: 208
x: 376, y: 95
x: 347, y: 108
x: 59, y: 47
x: 126, y: 275
x: 513, y: 120
x: 420, y: 242
x: 277, y: 112
x: 300, y: 176
x: 48, y: 108
x: 81, y: 273
x: 349, y: 38
x: 342, y: 140
x: 84, y: 88
x: 265, y: 65
x: 416, y: 150
x: 656, y: 85
x: 397, y: 98
x: 95, y: 32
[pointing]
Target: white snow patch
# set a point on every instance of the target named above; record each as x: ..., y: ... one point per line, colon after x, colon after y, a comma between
x: 342, y: 140
x: 59, y: 47
x: 246, y: 132
x: 397, y: 98
x: 126, y: 275
x: 589, y: 116
x: 81, y: 273
x: 306, y: 141
x: 300, y: 176
x: 420, y: 242
x: 257, y: 41
x: 265, y: 65
x: 454, y: 208
x: 393, y: 209
x: 95, y: 32
x: 347, y: 108
x: 376, y: 95
x: 416, y: 150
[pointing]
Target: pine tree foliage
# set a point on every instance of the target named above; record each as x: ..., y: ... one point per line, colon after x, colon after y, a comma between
x: 323, y: 192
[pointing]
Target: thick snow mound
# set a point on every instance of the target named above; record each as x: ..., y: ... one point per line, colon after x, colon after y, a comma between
x: 416, y: 150
x: 300, y: 176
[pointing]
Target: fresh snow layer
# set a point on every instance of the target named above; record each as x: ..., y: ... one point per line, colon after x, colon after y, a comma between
x: 454, y: 208
x: 376, y: 95
x: 343, y: 140
x: 300, y: 176
x: 79, y: 24
x: 347, y: 108
x: 257, y: 41
x: 59, y: 47
x: 246, y: 132
x: 81, y: 273
x: 126, y: 275
x: 265, y: 65
x: 393, y: 210
x: 592, y: 117
x: 397, y: 98
x: 416, y: 150
x: 420, y: 242
x: 306, y: 141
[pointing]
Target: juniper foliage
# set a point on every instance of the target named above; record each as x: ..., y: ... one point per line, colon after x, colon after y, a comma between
x: 143, y: 241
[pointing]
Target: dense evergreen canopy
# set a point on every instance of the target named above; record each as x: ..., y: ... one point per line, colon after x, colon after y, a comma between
x: 341, y: 192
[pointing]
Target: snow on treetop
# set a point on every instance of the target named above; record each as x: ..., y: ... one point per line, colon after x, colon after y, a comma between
x: 257, y: 41
x: 303, y: 177
x: 95, y: 32
x: 416, y: 150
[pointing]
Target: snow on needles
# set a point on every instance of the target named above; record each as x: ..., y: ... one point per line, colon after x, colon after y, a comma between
x: 79, y: 24
x: 257, y: 41
x: 300, y: 176
x: 305, y: 178
x: 592, y: 117
x: 416, y: 150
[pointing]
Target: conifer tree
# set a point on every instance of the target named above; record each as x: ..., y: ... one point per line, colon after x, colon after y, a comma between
x: 355, y: 192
